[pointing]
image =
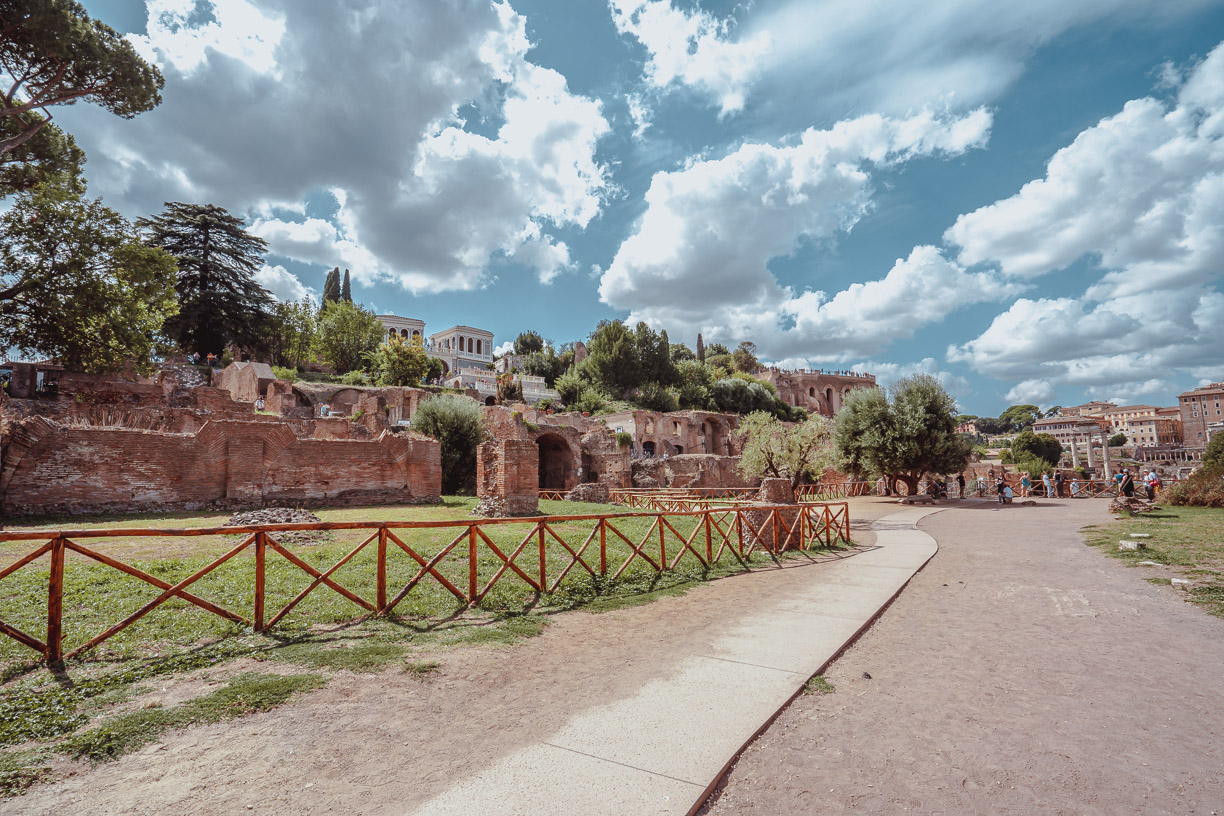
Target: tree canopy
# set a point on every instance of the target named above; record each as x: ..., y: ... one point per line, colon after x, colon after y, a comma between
x: 346, y: 288
x: 399, y: 361
x: 50, y: 156
x: 55, y: 54
x: 612, y: 357
x: 456, y: 423
x: 902, y: 435
x: 1213, y: 456
x: 796, y: 452
x: 348, y: 335
x: 219, y: 300
x: 1028, y: 445
x: 331, y: 289
x: 528, y: 342
x: 76, y: 283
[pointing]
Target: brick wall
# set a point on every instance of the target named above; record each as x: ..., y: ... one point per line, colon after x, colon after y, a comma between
x: 52, y: 468
x: 507, y: 472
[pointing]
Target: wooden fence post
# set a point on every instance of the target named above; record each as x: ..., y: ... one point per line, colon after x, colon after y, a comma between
x: 543, y: 561
x: 709, y: 542
x: 380, y: 599
x: 472, y: 565
x: 260, y: 547
x: 604, y: 547
x: 55, y: 603
x: 662, y: 543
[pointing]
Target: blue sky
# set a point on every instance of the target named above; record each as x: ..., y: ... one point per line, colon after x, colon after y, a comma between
x: 1025, y: 199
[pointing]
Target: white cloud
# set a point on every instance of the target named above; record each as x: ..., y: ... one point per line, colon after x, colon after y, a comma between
x: 282, y: 283
x: 805, y: 60
x: 505, y: 348
x: 887, y: 373
x: 698, y: 258
x: 263, y: 109
x: 692, y: 48
x: 1031, y: 392
x: 1143, y: 192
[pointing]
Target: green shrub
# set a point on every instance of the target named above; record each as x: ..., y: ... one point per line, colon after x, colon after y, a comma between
x: 456, y: 423
x: 624, y: 439
x: 654, y: 397
x: 282, y: 373
x: 592, y: 400
x: 1204, y: 489
x: 1213, y: 457
x: 355, y: 378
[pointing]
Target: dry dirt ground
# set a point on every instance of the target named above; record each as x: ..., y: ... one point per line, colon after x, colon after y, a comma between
x: 386, y: 743
x: 1020, y: 672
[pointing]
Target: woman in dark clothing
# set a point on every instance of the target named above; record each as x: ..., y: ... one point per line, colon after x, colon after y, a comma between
x: 1128, y: 484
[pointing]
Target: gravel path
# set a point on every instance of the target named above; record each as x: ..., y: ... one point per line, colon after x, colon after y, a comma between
x: 1020, y: 672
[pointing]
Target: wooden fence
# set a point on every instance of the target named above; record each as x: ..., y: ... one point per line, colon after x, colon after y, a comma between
x: 715, y: 534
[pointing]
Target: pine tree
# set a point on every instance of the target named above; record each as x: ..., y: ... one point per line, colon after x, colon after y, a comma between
x: 700, y: 349
x: 346, y: 291
x: 219, y: 300
x: 331, y: 288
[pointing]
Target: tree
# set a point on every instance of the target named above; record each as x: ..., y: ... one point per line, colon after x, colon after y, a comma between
x: 744, y: 359
x: 903, y: 438
x: 346, y: 290
x: 399, y: 361
x: 1019, y: 417
x: 55, y: 55
x: 1117, y: 440
x: 76, y: 283
x: 509, y: 389
x: 772, y: 448
x: 700, y: 349
x: 694, y: 380
x: 455, y: 422
x: 544, y: 364
x: 51, y: 156
x: 347, y: 335
x: 613, y: 360
x: 655, y: 397
x: 528, y: 342
x: 739, y: 396
x: 680, y: 353
x: 331, y: 289
x: 219, y: 300
x: 719, y: 356
x: 1213, y: 456
x: 570, y: 386
x: 291, y: 332
x: 1028, y: 445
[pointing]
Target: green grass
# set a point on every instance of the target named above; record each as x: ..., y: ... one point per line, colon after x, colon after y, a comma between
x: 1190, y: 539
x: 244, y: 694
x: 818, y: 685
x: 421, y: 668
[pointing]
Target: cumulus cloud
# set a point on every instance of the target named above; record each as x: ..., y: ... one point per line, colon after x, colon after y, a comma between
x: 283, y: 284
x: 957, y: 53
x: 698, y: 258
x: 887, y: 373
x: 692, y: 48
x: 1143, y: 193
x: 448, y: 153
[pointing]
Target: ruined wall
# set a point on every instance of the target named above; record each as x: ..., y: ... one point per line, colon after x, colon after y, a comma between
x: 819, y: 392
x: 696, y: 470
x: 678, y: 433
x: 569, y: 450
x: 245, y: 382
x: 48, y: 467
x: 506, y: 478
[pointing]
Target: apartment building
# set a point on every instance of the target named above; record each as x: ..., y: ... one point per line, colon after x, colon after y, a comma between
x: 1201, y: 408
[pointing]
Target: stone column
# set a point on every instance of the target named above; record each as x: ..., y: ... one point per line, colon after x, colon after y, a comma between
x: 1105, y: 455
x: 1091, y: 457
x: 1074, y: 454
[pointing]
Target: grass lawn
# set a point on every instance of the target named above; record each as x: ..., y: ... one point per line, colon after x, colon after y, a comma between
x: 42, y: 714
x: 1189, y: 540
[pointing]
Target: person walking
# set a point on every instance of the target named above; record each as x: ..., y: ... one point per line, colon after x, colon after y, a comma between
x: 1128, y: 484
x: 1048, y: 485
x: 960, y: 483
x: 1001, y: 488
x: 1149, y: 484
x: 1026, y: 485
x: 1058, y: 483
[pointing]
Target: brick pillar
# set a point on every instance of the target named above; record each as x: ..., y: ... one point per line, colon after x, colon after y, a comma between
x: 507, y: 473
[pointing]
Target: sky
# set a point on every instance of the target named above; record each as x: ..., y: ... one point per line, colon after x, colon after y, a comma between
x: 1025, y: 200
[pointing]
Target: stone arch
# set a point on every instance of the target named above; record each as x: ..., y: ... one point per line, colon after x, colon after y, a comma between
x: 556, y: 463
x: 416, y: 332
x: 490, y: 400
x: 403, y: 332
x: 479, y: 345
x: 390, y: 332
x: 344, y: 399
x: 648, y: 448
x: 812, y: 391
x: 715, y: 439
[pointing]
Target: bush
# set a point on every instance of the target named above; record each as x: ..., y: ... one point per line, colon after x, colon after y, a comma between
x: 355, y: 378
x: 654, y: 397
x: 1117, y: 440
x: 592, y: 400
x: 1204, y: 489
x: 624, y: 439
x: 282, y: 373
x: 456, y: 423
x: 570, y: 385
x: 1213, y: 457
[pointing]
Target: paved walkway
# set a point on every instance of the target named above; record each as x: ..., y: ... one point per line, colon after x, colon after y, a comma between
x: 685, y: 727
x: 1020, y: 672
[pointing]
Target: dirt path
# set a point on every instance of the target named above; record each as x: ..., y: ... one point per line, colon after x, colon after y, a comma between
x: 386, y: 743
x: 1020, y: 672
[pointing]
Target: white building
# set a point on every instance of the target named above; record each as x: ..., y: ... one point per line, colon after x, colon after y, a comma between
x: 406, y: 327
x: 484, y: 383
x: 462, y: 347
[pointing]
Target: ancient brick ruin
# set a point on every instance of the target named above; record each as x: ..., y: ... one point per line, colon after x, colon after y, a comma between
x: 819, y: 392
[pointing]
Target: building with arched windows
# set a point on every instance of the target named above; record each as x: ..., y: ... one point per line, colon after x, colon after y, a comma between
x: 405, y: 327
x: 462, y: 347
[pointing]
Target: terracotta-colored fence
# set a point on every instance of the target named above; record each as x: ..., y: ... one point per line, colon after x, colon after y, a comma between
x: 709, y: 535
x: 650, y: 497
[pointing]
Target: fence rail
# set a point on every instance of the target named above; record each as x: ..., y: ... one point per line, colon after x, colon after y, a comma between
x: 715, y: 534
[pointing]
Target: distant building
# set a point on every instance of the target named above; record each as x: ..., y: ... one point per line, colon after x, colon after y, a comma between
x: 462, y: 347
x: 1067, y: 428
x: 406, y: 327
x: 1201, y: 408
x: 969, y: 427
x: 1088, y: 409
x: 484, y: 383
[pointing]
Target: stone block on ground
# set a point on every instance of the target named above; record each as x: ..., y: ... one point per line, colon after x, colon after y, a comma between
x: 595, y: 492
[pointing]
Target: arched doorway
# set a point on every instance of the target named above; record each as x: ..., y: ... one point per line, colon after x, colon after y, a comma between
x: 556, y: 462
x: 648, y: 449
x: 713, y: 439
x: 490, y: 400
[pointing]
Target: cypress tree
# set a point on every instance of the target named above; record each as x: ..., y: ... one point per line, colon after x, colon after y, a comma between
x: 700, y: 349
x: 331, y: 288
x: 346, y: 291
x: 219, y: 300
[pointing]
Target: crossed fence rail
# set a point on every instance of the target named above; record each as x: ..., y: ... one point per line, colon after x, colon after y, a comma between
x: 716, y: 534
